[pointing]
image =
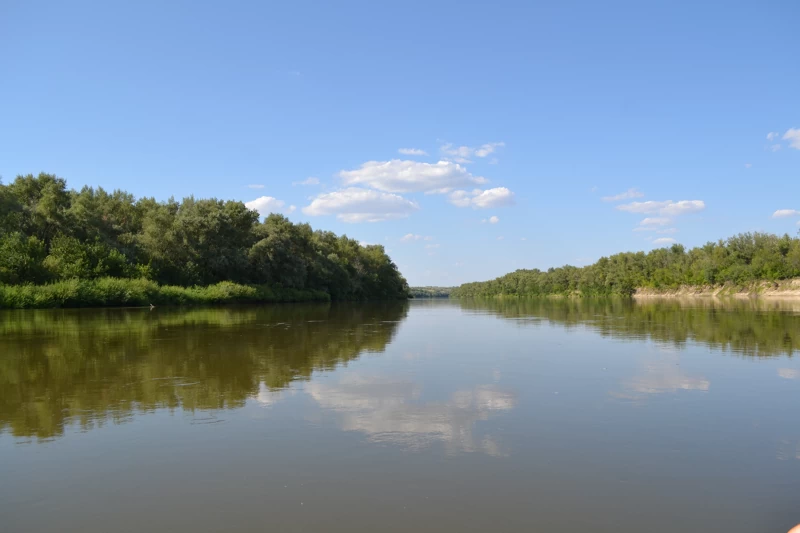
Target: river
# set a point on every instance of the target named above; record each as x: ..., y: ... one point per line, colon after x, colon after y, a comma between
x: 505, y: 415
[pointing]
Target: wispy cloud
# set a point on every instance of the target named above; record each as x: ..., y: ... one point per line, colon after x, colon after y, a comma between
x: 409, y: 237
x: 255, y: 186
x: 432, y: 246
x: 412, y: 151
x: 655, y: 224
x: 783, y: 213
x: 748, y: 165
x: 655, y: 221
x: 267, y: 204
x: 361, y: 205
x: 403, y: 176
x: 488, y: 148
x: 479, y: 199
x: 627, y: 195
x: 665, y: 208
x: 308, y: 181
x: 665, y: 240
x: 775, y: 147
x: 771, y: 136
x: 793, y: 136
x: 461, y: 154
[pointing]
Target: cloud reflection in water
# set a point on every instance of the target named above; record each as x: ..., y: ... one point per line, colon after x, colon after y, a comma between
x: 390, y: 412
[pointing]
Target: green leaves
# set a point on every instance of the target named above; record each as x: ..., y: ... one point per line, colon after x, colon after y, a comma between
x: 742, y: 259
x: 48, y: 233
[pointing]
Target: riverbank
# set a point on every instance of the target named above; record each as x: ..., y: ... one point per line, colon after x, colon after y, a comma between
x: 788, y: 288
x: 118, y: 292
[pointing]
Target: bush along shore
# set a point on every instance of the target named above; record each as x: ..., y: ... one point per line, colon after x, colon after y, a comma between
x: 116, y: 292
x: 67, y: 248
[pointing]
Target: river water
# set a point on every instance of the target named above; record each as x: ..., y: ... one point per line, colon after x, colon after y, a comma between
x: 446, y: 416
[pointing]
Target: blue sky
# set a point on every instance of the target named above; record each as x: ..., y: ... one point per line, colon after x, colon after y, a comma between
x: 424, y: 120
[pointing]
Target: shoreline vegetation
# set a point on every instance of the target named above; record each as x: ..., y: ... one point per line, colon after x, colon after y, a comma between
x: 117, y: 292
x: 430, y: 292
x: 90, y: 248
x: 748, y: 264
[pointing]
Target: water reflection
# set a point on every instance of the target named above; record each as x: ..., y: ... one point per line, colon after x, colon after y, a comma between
x: 390, y: 412
x: 789, y: 373
x: 90, y: 367
x: 661, y: 374
x: 87, y: 368
x: 753, y: 327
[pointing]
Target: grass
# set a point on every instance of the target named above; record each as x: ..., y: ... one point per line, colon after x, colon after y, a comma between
x: 116, y: 292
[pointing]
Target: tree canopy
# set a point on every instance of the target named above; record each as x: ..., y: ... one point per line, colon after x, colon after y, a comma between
x: 50, y: 233
x: 739, y: 260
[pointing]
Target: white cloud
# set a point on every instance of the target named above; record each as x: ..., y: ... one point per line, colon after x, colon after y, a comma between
x: 361, y: 205
x: 432, y: 246
x: 775, y: 147
x: 748, y: 165
x: 408, y: 237
x: 461, y: 154
x: 665, y: 240
x: 789, y: 373
x: 793, y: 136
x: 627, y: 195
x: 255, y: 186
x: 488, y: 148
x: 308, y: 181
x: 494, y: 220
x: 772, y: 135
x: 783, y: 213
x: 478, y: 199
x: 655, y: 221
x: 523, y: 238
x: 267, y: 204
x: 411, y: 176
x: 667, y: 207
x: 412, y: 151
x: 683, y: 207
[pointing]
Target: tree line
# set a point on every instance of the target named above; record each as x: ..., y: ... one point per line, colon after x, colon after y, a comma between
x: 50, y: 234
x: 738, y: 260
x: 430, y: 292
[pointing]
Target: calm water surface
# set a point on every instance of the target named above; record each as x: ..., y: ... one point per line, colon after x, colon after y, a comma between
x: 551, y: 416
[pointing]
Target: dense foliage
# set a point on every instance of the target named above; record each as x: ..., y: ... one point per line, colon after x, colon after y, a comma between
x: 49, y: 234
x: 112, y: 292
x: 430, y: 292
x: 739, y: 260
